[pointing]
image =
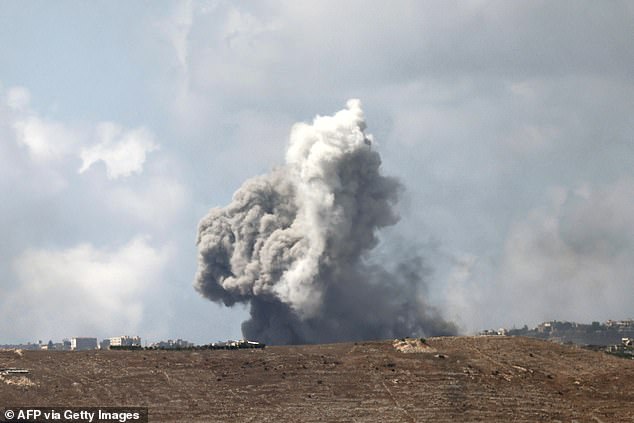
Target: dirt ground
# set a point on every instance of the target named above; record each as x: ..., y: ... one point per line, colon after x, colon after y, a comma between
x: 449, y: 379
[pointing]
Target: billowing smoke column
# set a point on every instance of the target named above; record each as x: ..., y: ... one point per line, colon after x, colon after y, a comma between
x: 294, y: 244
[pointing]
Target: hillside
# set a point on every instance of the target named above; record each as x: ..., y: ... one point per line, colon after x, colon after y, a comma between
x: 454, y: 379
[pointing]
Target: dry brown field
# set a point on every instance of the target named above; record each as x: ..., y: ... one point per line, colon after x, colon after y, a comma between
x: 453, y: 379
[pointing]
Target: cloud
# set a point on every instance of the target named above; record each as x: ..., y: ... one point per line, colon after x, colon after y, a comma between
x: 18, y: 98
x: 93, y: 285
x: 156, y: 204
x: 257, y: 51
x: 175, y: 29
x: 45, y: 140
x: 82, y: 290
x: 122, y: 151
x: 571, y: 259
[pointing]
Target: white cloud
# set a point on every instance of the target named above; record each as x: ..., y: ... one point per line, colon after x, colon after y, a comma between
x: 83, y: 290
x: 123, y: 152
x: 46, y: 140
x: 176, y: 29
x: 157, y: 205
x: 18, y: 98
x: 241, y: 31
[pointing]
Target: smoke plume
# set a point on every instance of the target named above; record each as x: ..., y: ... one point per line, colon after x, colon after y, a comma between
x: 296, y: 243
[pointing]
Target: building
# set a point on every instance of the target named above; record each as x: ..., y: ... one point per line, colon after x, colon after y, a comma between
x: 104, y: 344
x: 83, y: 344
x: 233, y: 345
x: 52, y: 346
x: 171, y: 344
x: 28, y: 346
x: 125, y: 341
x: 490, y: 332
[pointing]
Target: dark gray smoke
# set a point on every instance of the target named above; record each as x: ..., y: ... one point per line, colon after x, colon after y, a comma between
x: 295, y: 244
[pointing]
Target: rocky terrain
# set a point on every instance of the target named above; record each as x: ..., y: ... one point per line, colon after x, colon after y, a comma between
x: 449, y: 379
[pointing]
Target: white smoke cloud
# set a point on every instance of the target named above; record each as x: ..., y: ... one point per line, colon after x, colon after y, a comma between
x: 574, y: 259
x: 571, y: 259
x: 293, y: 243
x: 122, y: 151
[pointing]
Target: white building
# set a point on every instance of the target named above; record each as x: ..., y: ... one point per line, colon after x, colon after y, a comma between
x: 83, y: 344
x: 125, y: 341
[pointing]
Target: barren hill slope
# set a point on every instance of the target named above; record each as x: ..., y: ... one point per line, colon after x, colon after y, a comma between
x: 455, y: 379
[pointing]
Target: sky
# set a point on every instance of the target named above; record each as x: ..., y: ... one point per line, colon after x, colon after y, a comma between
x: 122, y: 123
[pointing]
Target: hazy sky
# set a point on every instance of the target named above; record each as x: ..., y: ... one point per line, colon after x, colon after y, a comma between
x: 121, y: 123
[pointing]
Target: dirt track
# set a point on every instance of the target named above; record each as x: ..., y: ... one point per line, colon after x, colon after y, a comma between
x: 465, y: 379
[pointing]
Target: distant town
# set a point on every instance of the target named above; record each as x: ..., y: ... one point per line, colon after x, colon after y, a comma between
x: 126, y: 342
x: 613, y: 336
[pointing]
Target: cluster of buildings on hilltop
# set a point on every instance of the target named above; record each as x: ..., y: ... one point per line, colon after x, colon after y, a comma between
x: 171, y: 344
x: 89, y: 343
x: 128, y: 342
x: 609, y: 333
x: 120, y: 341
x: 78, y: 344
